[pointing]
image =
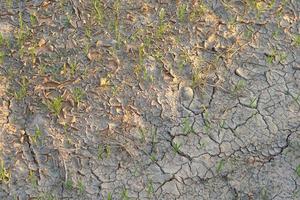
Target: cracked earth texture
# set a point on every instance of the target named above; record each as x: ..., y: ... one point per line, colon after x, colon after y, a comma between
x: 208, y: 107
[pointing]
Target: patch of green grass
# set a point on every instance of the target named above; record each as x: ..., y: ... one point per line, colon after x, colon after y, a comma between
x: 55, y: 105
x: 4, y: 173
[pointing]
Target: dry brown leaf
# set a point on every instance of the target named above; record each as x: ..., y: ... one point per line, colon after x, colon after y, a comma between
x: 104, y: 82
x: 42, y: 42
x: 93, y: 55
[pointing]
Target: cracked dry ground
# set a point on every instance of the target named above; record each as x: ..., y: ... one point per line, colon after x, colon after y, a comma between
x: 149, y: 99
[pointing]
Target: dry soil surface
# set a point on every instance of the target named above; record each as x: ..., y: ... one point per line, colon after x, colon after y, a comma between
x: 149, y: 99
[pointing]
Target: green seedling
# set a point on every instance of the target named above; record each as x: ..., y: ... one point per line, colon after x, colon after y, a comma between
x: 141, y: 54
x: 4, y: 173
x: 55, y: 105
x: 176, y: 147
x: 22, y: 34
x: 80, y: 186
x: 296, y: 40
x: 101, y: 152
x: 32, y: 52
x: 46, y: 196
x: 253, y: 102
x: 88, y: 32
x: 104, y: 150
x: 69, y: 184
x: 22, y: 91
x: 276, y: 33
x: 108, y: 150
x: 248, y: 33
x: 73, y: 67
x: 271, y: 4
x: 142, y: 133
x: 150, y: 188
x: 86, y: 48
x: 220, y: 166
x: 201, y: 145
x: 124, y: 195
x: 98, y: 11
x: 282, y: 56
x: 187, y: 127
x: 1, y: 39
x: 270, y: 58
x: 32, y: 178
x: 181, y: 12
x: 240, y: 85
x: 2, y: 56
x: 116, y: 23
x: 136, y: 171
x: 21, y: 22
x: 207, y: 124
x: 9, y: 3
x: 222, y: 123
x: 37, y: 134
x: 33, y: 19
x: 78, y: 94
x: 153, y: 157
x: 162, y: 26
x: 298, y: 170
x: 264, y: 194
x: 109, y: 196
x: 198, y: 11
x: 161, y: 15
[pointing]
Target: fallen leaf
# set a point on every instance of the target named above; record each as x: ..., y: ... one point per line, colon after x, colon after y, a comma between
x: 103, y: 82
x: 93, y: 55
x: 42, y: 42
